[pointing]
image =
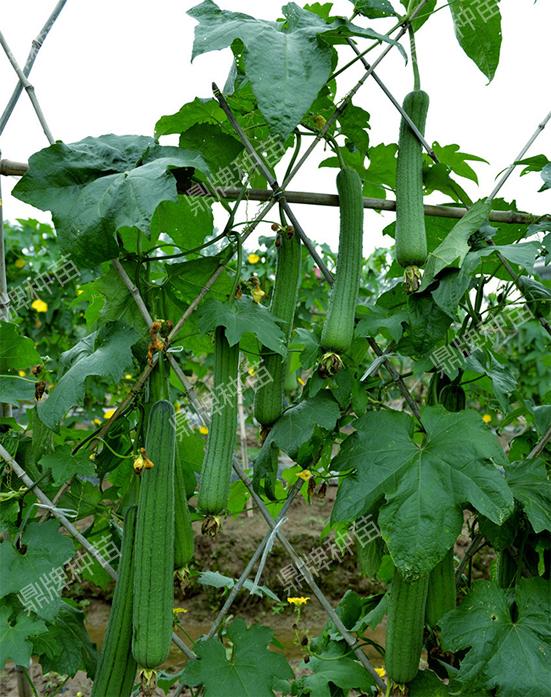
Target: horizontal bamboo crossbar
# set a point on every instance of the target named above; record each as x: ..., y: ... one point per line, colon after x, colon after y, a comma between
x: 11, y: 168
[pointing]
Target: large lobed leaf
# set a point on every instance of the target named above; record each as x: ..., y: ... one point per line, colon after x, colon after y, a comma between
x: 424, y: 486
x: 508, y: 634
x: 286, y: 62
x: 99, y: 186
x: 249, y: 672
x: 105, y: 353
x: 241, y: 317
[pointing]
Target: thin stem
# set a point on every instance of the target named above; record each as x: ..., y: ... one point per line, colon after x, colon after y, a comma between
x: 5, y: 409
x: 414, y: 64
x: 540, y: 446
x: 239, y: 263
x: 404, y: 115
x: 398, y: 380
x: 298, y: 145
x: 134, y: 292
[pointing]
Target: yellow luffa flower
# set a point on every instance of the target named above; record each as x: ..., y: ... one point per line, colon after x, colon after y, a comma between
x: 39, y: 306
x: 487, y: 418
x: 253, y: 258
x: 298, y: 601
x: 257, y: 294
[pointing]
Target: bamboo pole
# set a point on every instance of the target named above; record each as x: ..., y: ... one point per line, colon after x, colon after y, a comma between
x: 314, y: 198
x: 28, y: 88
x: 35, y: 48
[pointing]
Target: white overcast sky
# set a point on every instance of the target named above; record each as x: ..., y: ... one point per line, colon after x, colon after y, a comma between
x: 116, y: 66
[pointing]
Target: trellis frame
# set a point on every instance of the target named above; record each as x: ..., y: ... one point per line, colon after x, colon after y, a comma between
x: 280, y: 194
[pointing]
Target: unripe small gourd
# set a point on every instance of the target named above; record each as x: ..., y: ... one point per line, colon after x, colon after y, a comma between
x: 411, y: 240
x: 338, y: 328
x: 214, y: 487
x: 268, y: 403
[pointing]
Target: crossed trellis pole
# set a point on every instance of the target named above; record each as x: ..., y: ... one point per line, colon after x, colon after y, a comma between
x: 280, y: 196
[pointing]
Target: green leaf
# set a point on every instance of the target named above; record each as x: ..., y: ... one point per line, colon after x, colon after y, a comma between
x: 119, y: 304
x: 198, y: 111
x: 354, y: 122
x: 278, y: 55
x: 503, y: 379
x: 106, y: 353
x: 17, y: 352
x: 427, y: 325
x: 15, y: 634
x: 294, y: 427
x: 456, y: 160
x: 217, y: 580
x: 218, y: 149
x: 251, y: 670
x: 63, y: 465
x: 46, y: 549
x: 240, y: 317
x: 531, y: 486
x: 455, y: 246
x: 546, y: 176
x: 374, y: 8
x: 336, y: 670
x: 424, y: 486
x: 297, y: 424
x: 187, y: 226
x: 379, y: 321
x: 14, y: 389
x: 498, y: 626
x: 66, y: 647
x: 100, y: 186
x: 427, y: 684
x: 381, y: 173
x: 478, y: 30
